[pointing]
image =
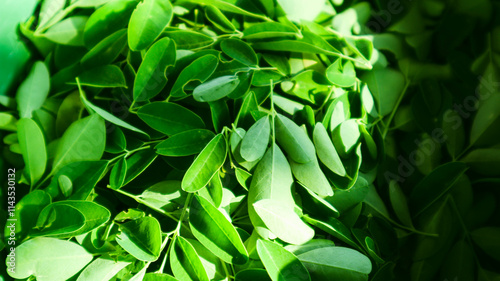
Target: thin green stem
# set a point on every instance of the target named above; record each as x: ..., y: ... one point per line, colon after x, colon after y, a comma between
x: 412, y: 229
x: 273, y: 113
x: 227, y: 271
x: 137, y: 149
x: 141, y: 201
x: 463, y: 152
x: 462, y: 224
x: 164, y: 261
x: 176, y: 231
x: 389, y: 121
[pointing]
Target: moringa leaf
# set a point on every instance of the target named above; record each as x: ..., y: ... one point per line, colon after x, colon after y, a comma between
x: 147, y: 22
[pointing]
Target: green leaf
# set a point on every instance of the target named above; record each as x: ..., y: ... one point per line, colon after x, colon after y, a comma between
x: 68, y: 31
x: 283, y: 222
x: 185, y: 262
x: 338, y: 112
x: 309, y: 44
x: 102, y: 269
x: 386, y: 85
x: 315, y: 204
x: 280, y: 263
x: 147, y: 22
x: 487, y: 238
x: 186, y: 39
x: 485, y: 125
x: 118, y: 174
x: 70, y: 218
x: 107, y: 76
x: 335, y: 228
x: 31, y: 203
x: 138, y: 162
x: 298, y: 10
x: 157, y: 277
x: 68, y: 112
x: 141, y: 238
x: 252, y: 274
x: 185, y: 143
x: 266, y: 30
x: 294, y: 140
x: 254, y: 144
x: 484, y: 161
x: 341, y: 75
x: 459, y: 262
x: 309, y: 85
x: 199, y: 70
x: 346, y: 136
x: 151, y: 76
x: 49, y: 9
x: 169, y: 118
x: 88, y: 3
x: 215, y: 232
x: 83, y: 140
x: 8, y: 122
x: 272, y: 180
x: 229, y: 7
x: 33, y: 91
x: 218, y: 19
x: 216, y: 89
x: 213, y: 192
x: 455, y: 132
x: 435, y: 185
x: 108, y: 116
x: 212, y: 264
x: 219, y: 111
x: 83, y: 176
x: 311, y: 176
x: 399, y: 204
x: 311, y: 245
x: 106, y: 20
x: 326, y: 151
x: 206, y: 164
x: 239, y: 51
x: 42, y: 257
x: 336, y: 263
x: 166, y: 195
x: 32, y: 144
x: 58, y: 220
x: 106, y: 51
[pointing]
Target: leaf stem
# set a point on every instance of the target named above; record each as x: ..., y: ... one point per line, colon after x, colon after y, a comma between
x: 400, y: 99
x: 176, y: 231
x: 273, y: 112
x: 164, y: 261
x: 141, y: 201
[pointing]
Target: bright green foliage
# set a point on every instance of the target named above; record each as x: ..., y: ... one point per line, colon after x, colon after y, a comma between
x: 252, y: 140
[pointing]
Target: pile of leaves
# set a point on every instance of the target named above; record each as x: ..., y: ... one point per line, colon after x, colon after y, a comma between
x: 255, y: 140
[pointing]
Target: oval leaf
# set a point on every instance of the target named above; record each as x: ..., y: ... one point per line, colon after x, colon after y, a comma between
x: 32, y: 143
x: 283, y: 222
x: 254, y: 144
x: 151, y: 76
x: 185, y: 262
x: 206, y: 164
x: 215, y: 232
x: 147, y: 22
x: 42, y: 257
x: 83, y: 140
x: 280, y: 263
x: 169, y: 118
